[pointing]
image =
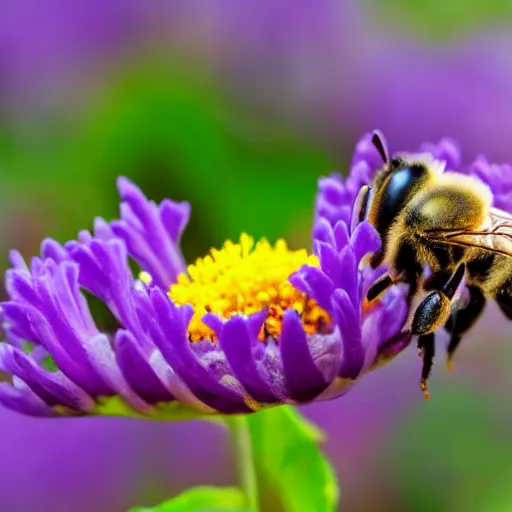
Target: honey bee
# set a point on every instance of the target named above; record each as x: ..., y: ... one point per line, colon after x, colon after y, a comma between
x: 439, y: 234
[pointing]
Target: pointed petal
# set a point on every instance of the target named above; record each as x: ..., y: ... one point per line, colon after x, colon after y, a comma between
x: 348, y: 321
x: 304, y: 380
x: 24, y: 401
x: 175, y: 347
x: 365, y: 239
x: 237, y: 344
x: 53, y: 388
x: 137, y: 370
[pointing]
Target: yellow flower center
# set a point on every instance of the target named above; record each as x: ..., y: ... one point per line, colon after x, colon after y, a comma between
x: 246, y: 278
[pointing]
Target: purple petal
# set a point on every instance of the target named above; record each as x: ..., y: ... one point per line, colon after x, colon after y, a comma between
x: 322, y: 231
x: 497, y: 177
x: 102, y: 229
x: 360, y: 174
x: 150, y: 233
x: 341, y: 235
x: 365, y: 151
x: 214, y: 322
x: 50, y: 327
x: 137, y: 370
x: 304, y: 381
x: 65, y: 279
x: 270, y: 365
x: 175, y: 384
x: 17, y: 261
x: 102, y: 358
x: 24, y: 401
x: 348, y: 321
x: 91, y: 275
x: 85, y: 237
x: 52, y: 249
x: 365, y: 239
x: 329, y: 262
x: 396, y: 315
x: 112, y: 258
x: 175, y: 217
x: 52, y: 388
x: 332, y: 191
x: 254, y: 323
x: 237, y: 344
x: 394, y: 346
x: 299, y: 280
x: 347, y: 274
x: 446, y: 149
x: 16, y: 321
x: 173, y: 342
x: 319, y: 285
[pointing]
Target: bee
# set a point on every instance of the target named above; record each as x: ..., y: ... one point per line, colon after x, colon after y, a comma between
x: 439, y: 234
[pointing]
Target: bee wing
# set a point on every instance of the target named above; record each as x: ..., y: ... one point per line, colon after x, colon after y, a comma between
x: 494, y: 236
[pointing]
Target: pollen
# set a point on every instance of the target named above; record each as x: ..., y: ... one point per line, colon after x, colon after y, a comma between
x: 244, y: 278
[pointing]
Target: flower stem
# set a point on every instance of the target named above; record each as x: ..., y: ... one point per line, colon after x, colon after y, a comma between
x: 242, y: 446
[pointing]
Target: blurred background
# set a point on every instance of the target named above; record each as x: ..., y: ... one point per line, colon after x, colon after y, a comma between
x: 239, y: 107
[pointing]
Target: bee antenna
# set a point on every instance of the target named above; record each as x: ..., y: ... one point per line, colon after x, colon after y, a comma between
x: 380, y: 144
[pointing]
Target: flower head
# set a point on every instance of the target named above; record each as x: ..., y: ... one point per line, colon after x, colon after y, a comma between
x: 248, y: 326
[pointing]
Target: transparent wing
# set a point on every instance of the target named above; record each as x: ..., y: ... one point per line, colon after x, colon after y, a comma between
x: 494, y: 236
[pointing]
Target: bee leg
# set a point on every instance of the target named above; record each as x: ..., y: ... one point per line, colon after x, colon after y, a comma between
x: 379, y: 287
x: 436, y: 281
x: 461, y: 320
x: 504, y: 299
x: 426, y: 347
x: 377, y: 259
x: 434, y: 309
x: 360, y: 208
x: 413, y: 289
x: 380, y: 144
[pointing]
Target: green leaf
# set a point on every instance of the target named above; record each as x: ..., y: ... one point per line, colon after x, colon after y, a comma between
x: 47, y: 363
x: 287, y: 452
x: 464, y: 454
x: 199, y: 499
x: 439, y: 21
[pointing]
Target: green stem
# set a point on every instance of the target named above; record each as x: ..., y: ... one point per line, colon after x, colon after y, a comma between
x: 242, y: 446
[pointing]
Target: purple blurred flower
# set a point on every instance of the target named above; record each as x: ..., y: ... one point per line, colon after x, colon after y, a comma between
x: 498, y: 177
x: 52, y: 46
x: 104, y: 464
x: 240, y: 330
x: 342, y: 70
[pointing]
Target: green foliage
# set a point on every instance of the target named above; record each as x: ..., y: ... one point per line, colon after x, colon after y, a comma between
x: 47, y: 363
x: 286, y: 448
x: 172, y: 135
x: 271, y: 189
x: 198, y: 499
x: 173, y: 411
x: 439, y: 21
x: 454, y: 455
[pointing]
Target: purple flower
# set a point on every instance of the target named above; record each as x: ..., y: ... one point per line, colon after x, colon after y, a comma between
x: 327, y: 57
x: 54, y: 44
x: 498, y: 177
x: 247, y: 327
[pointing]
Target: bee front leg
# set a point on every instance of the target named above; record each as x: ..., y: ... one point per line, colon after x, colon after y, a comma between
x: 434, y: 309
x: 360, y: 209
x: 379, y: 287
x: 461, y: 320
x: 427, y: 348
